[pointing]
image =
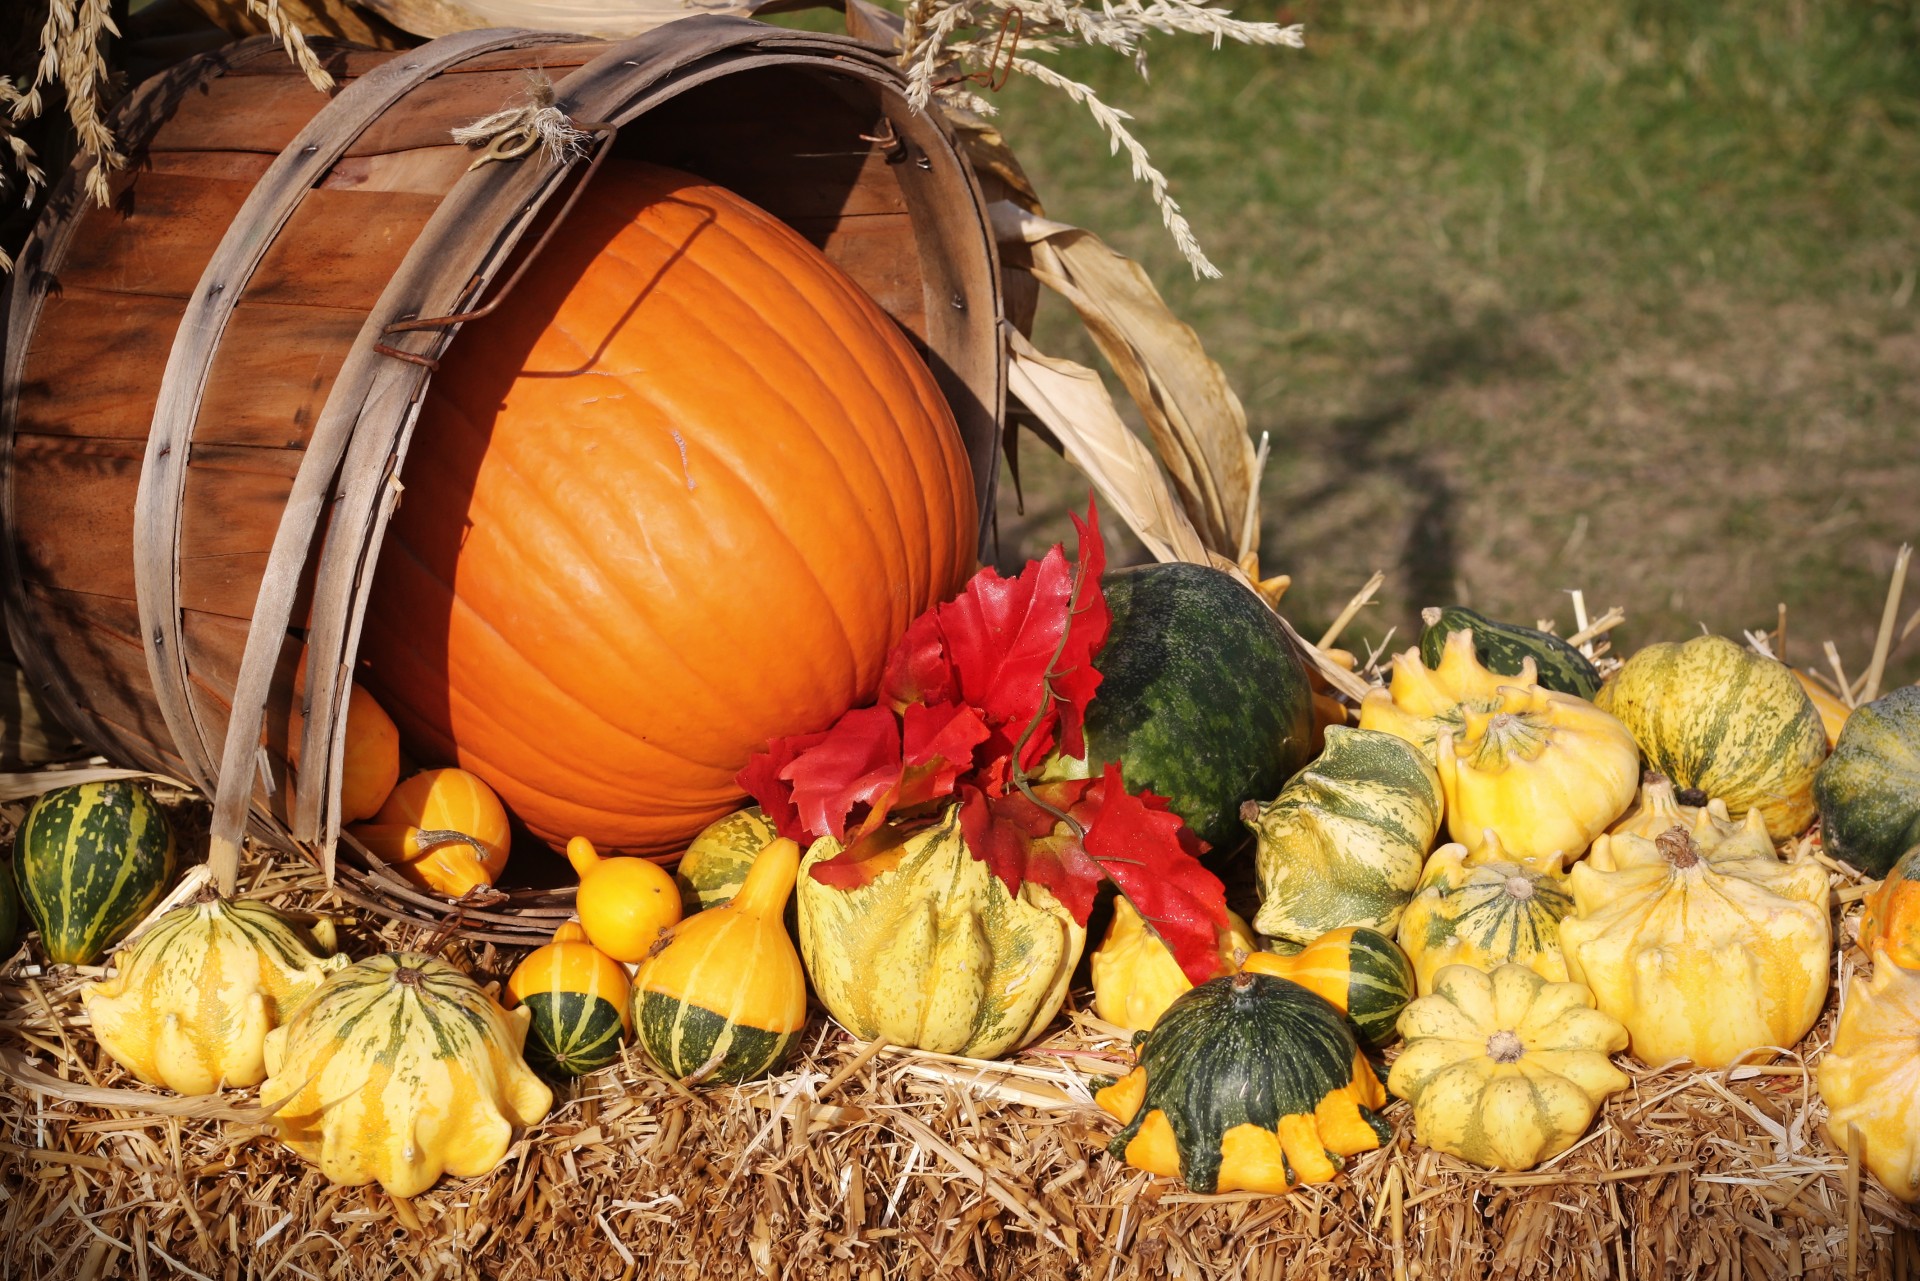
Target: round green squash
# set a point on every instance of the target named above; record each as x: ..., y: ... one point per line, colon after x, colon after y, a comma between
x: 91, y: 860
x: 1345, y: 840
x: 1735, y: 724
x: 1203, y: 698
x: 1249, y: 1082
x: 1502, y: 647
x: 1869, y: 789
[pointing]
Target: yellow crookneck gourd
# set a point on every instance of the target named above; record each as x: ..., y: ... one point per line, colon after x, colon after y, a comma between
x: 932, y: 951
x: 1710, y: 960
x: 191, y: 1001
x: 1135, y: 977
x: 1505, y: 1069
x: 1870, y: 1079
x: 624, y: 902
x: 722, y: 996
x: 1547, y: 772
x: 1420, y: 702
x: 399, y: 1069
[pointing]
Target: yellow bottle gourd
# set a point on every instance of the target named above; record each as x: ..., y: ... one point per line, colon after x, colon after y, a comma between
x: 579, y: 1002
x: 1706, y: 960
x: 399, y: 1069
x: 191, y: 1001
x: 722, y: 997
x: 932, y: 951
x: 1420, y: 702
x: 442, y: 829
x: 1484, y: 914
x: 1505, y: 1069
x: 1135, y: 977
x: 1547, y: 772
x: 1870, y: 1079
x: 624, y: 902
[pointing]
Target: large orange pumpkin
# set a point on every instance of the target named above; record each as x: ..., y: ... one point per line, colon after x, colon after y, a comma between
x: 679, y: 495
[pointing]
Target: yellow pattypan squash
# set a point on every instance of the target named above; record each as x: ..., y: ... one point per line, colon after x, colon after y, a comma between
x: 1870, y: 1079
x: 1545, y: 771
x: 1505, y: 1069
x: 399, y: 1069
x: 1715, y: 834
x: 1705, y: 960
x: 1421, y: 702
x: 1135, y: 977
x: 191, y: 1001
x: 1485, y: 914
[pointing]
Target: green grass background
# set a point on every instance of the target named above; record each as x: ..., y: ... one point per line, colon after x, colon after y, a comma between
x: 1538, y: 295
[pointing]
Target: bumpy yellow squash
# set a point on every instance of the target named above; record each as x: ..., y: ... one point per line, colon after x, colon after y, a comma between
x: 1732, y: 723
x: 1135, y: 977
x: 1871, y: 1077
x: 191, y: 1001
x: 933, y: 952
x: 1420, y: 702
x: 1485, y: 914
x: 1715, y: 836
x: 1547, y: 772
x: 398, y: 1069
x: 1505, y: 1070
x: 1707, y: 960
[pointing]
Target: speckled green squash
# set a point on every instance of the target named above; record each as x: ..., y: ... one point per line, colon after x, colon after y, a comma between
x: 1869, y: 789
x: 1344, y: 842
x: 1734, y: 724
x: 715, y: 866
x: 91, y: 860
x: 1502, y: 647
x: 1485, y: 916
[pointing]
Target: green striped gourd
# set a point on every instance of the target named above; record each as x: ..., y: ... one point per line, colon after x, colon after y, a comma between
x: 715, y: 866
x: 91, y: 860
x: 1247, y: 1083
x: 399, y: 1069
x: 1729, y: 722
x: 723, y: 997
x: 579, y: 1002
x: 1361, y: 971
x: 1344, y: 842
x: 932, y: 951
x: 1869, y: 789
x: 1485, y: 914
x: 191, y: 1001
x: 1504, y: 648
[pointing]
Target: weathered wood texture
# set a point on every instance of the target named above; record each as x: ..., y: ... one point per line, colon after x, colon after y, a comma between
x: 199, y: 440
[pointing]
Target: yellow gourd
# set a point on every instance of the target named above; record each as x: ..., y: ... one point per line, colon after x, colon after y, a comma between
x: 1135, y: 977
x: 1505, y: 1069
x: 1421, y: 702
x: 370, y: 759
x: 1870, y: 1079
x: 399, y: 1069
x: 1703, y: 960
x: 722, y: 996
x: 1545, y: 771
x: 443, y: 829
x: 1485, y: 914
x: 191, y: 1001
x: 624, y: 902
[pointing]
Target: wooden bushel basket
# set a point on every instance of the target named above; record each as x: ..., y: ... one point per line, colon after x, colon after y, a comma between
x: 208, y: 388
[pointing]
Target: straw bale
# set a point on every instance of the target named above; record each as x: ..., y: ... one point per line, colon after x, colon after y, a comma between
x: 861, y: 1163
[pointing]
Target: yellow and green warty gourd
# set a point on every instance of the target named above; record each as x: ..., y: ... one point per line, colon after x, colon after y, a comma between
x: 1485, y: 914
x: 1505, y: 1069
x: 1344, y: 841
x: 722, y: 996
x: 1420, y: 703
x: 1703, y: 959
x: 1547, y: 772
x: 1870, y: 1079
x: 191, y: 1001
x: 398, y: 1069
x: 933, y: 952
x: 1135, y: 977
x: 1734, y: 724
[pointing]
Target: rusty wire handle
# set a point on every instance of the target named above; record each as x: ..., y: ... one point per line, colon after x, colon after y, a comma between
x: 607, y: 133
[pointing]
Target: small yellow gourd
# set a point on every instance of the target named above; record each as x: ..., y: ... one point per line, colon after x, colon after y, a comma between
x: 1135, y: 977
x: 1707, y: 960
x: 1421, y: 702
x: 398, y: 1069
x: 191, y: 1001
x: 1545, y: 771
x: 442, y: 829
x: 1484, y: 914
x: 1505, y: 1069
x: 624, y: 902
x: 579, y: 1000
x: 723, y: 996
x: 1870, y: 1079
